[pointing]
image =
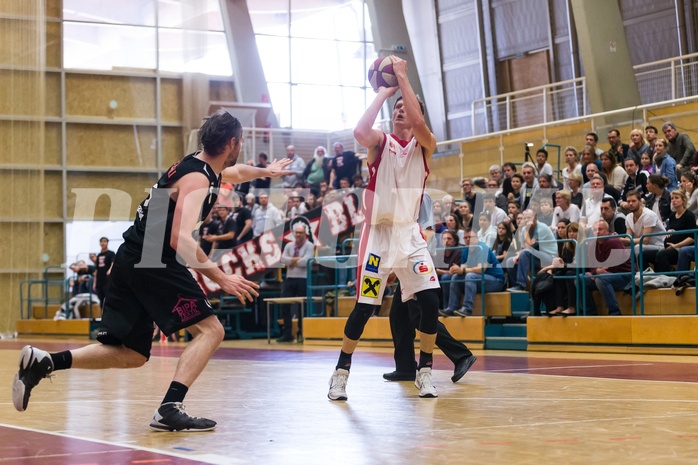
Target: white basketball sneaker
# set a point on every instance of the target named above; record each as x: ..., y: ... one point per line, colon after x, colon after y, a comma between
x: 424, y: 384
x: 338, y: 384
x: 34, y: 365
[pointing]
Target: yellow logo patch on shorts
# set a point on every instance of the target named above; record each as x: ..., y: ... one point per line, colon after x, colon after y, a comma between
x: 370, y: 287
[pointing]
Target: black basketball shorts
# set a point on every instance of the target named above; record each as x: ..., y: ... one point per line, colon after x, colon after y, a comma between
x: 137, y: 297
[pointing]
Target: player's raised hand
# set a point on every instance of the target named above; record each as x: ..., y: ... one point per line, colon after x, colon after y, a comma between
x: 276, y: 169
x: 241, y: 288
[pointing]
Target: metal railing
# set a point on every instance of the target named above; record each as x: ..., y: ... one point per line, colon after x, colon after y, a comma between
x: 659, y: 81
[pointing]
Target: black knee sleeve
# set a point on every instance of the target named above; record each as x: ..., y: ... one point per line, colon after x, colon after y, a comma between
x: 428, y: 301
x: 357, y: 321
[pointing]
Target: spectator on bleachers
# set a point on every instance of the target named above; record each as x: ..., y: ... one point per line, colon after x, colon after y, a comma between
x: 530, y: 184
x: 451, y: 257
x: 573, y: 166
x: 345, y: 164
x: 591, y: 140
x: 547, y: 186
x: 210, y: 225
x: 542, y: 165
x: 224, y: 239
x: 589, y: 155
x: 592, y: 169
x: 646, y: 163
x: 611, y: 215
x: 517, y: 181
x: 545, y: 215
x: 610, y: 269
x: 576, y: 195
x: 497, y: 215
x: 447, y: 205
x: 469, y: 194
x: 518, y: 235
x: 317, y: 169
x: 564, y: 209
x: 681, y: 219
x: 561, y: 299
x: 509, y: 169
x: 513, y: 210
x: 83, y: 274
x: 243, y: 221
x: 617, y: 148
x: 487, y: 232
x: 591, y: 212
x: 561, y: 233
x: 615, y: 174
x: 637, y: 146
x: 651, y: 136
x: 664, y: 164
x: 295, y: 256
x: 503, y: 240
x: 357, y: 182
x: 266, y: 216
x: 478, y: 265
x: 464, y: 216
x: 641, y: 221
x: 636, y: 181
x: 262, y: 183
x: 496, y: 174
x: 297, y: 166
x: 688, y: 184
x: 454, y: 225
x: 250, y: 202
x: 680, y: 147
x: 658, y: 198
x: 538, y: 249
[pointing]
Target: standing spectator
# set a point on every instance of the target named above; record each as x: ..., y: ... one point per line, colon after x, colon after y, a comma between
x: 651, y: 136
x: 542, y: 165
x: 266, y: 216
x: 609, y: 213
x: 224, y: 238
x: 637, y: 146
x: 610, y: 271
x: 639, y: 222
x: 618, y: 149
x: 680, y: 220
x: 318, y: 169
x: 658, y: 198
x: 243, y: 221
x: 664, y: 164
x: 516, y: 182
x: 264, y: 182
x: 591, y: 140
x: 615, y: 174
x: 105, y: 260
x: 530, y: 184
x: 680, y: 147
x: 250, y: 203
x: 295, y: 256
x: 209, y: 226
x: 636, y: 181
x: 297, y: 167
x: 509, y: 169
x: 345, y: 164
x: 478, y: 264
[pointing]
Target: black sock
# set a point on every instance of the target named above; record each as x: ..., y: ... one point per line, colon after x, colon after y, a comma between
x: 175, y: 393
x: 344, y: 361
x: 62, y: 360
x: 425, y: 360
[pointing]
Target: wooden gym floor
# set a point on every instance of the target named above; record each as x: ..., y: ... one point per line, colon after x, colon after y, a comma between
x: 271, y: 406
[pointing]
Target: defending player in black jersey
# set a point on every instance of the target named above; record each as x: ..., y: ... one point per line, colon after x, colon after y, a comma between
x: 150, y: 281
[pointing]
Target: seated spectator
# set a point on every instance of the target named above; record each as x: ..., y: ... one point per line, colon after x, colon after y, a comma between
x: 680, y: 147
x: 497, y: 215
x: 680, y: 220
x: 639, y: 222
x: 509, y: 169
x: 542, y: 165
x: 545, y: 215
x: 529, y: 188
x: 618, y: 149
x: 464, y: 215
x: 688, y: 184
x: 243, y: 221
x: 496, y: 174
x: 573, y: 166
x: 646, y: 163
x: 561, y: 234
x: 664, y: 164
x: 295, y: 256
x: 357, y: 181
x: 590, y: 155
x: 636, y: 181
x: 564, y: 209
x: 82, y: 281
x: 538, y: 249
x: 591, y: 140
x: 561, y: 299
x: 637, y: 146
x: 611, y: 215
x: 451, y: 257
x: 454, y: 225
x: 651, y: 136
x: 517, y: 182
x: 592, y: 169
x: 250, y: 202
x: 447, y: 204
x: 658, y: 198
x: 577, y: 198
x: 592, y: 205
x: 312, y: 203
x: 487, y: 232
x: 615, y: 174
x: 513, y: 210
x: 503, y: 240
x: 610, y: 269
x: 478, y: 264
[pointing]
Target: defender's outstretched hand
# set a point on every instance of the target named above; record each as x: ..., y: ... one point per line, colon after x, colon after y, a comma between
x: 276, y: 169
x: 241, y: 288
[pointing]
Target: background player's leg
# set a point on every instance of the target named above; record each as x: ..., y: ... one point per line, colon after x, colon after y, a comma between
x: 402, y: 330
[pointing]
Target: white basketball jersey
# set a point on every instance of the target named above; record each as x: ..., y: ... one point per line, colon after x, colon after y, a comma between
x: 396, y: 184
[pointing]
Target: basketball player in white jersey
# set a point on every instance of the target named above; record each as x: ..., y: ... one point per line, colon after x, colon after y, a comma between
x: 398, y: 167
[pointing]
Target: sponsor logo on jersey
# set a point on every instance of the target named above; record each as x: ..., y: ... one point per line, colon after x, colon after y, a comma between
x: 373, y: 263
x: 422, y: 267
x: 370, y: 287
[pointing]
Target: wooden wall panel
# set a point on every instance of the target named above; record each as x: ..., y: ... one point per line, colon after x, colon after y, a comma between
x: 21, y: 93
x: 24, y: 252
x: 54, y: 9
x: 222, y: 91
x: 111, y: 145
x: 13, y: 143
x: 90, y: 95
x: 20, y: 194
x: 172, y: 146
x: 53, y: 44
x: 171, y: 100
x: 132, y: 189
x: 9, y: 293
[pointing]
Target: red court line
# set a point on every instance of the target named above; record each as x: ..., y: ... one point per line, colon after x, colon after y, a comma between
x: 26, y: 447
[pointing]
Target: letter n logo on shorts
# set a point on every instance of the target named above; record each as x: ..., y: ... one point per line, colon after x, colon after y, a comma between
x: 373, y: 263
x: 370, y: 287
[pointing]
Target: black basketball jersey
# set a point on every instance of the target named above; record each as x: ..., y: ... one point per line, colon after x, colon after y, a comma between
x: 153, y: 223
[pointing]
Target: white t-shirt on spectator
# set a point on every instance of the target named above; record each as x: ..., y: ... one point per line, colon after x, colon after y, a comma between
x: 647, y: 219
